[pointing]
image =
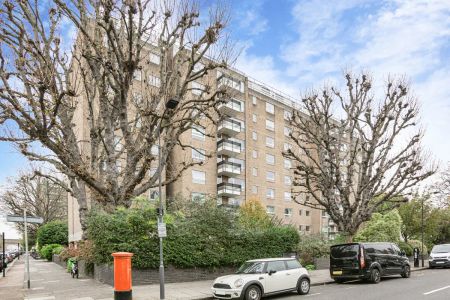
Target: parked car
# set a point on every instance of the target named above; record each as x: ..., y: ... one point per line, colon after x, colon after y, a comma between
x: 263, y: 277
x: 367, y: 261
x: 439, y: 256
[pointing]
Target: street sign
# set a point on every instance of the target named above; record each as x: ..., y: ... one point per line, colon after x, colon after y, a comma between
x: 162, y: 231
x: 30, y: 219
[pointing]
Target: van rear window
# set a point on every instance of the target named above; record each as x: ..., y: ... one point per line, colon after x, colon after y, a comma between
x: 343, y: 251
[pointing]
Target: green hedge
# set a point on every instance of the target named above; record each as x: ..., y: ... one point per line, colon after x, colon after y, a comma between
x: 207, y: 236
x: 47, y: 251
x: 55, y: 232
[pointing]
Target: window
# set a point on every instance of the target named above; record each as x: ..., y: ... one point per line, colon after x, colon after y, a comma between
x: 287, y: 131
x: 254, y: 154
x: 154, y: 195
x: 254, y: 189
x: 287, y: 180
x: 287, y: 115
x: 197, y: 88
x: 155, y: 58
x: 293, y: 264
x: 198, y: 197
x: 300, y: 211
x: 270, y: 125
x: 153, y: 80
x: 254, y: 135
x: 154, y: 150
x: 287, y: 163
x: 307, y: 213
x: 277, y: 265
x: 270, y: 176
x: 270, y: 108
x: 254, y: 171
x: 270, y: 193
x: 198, y: 132
x: 254, y: 100
x: 198, y: 154
x: 307, y: 227
x: 324, y: 214
x: 300, y: 227
x: 254, y: 118
x: 287, y: 146
x: 270, y: 142
x: 287, y: 196
x: 137, y: 75
x: 137, y: 98
x: 198, y: 177
x: 288, y: 212
x: 198, y: 67
x: 270, y: 210
x: 270, y: 159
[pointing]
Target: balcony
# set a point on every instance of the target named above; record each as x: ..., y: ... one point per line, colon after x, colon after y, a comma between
x: 227, y: 168
x: 231, y: 107
x: 230, y: 82
x: 229, y: 127
x: 228, y: 148
x: 228, y: 189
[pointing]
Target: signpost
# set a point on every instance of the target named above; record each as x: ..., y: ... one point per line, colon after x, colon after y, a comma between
x: 25, y: 219
x: 162, y: 231
x: 3, y: 257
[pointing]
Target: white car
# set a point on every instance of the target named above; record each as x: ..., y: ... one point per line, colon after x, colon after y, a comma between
x: 439, y: 256
x: 263, y: 277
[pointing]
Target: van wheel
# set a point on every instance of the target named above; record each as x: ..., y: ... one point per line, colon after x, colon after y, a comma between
x: 253, y: 293
x: 406, y: 272
x: 375, y: 275
x: 303, y: 286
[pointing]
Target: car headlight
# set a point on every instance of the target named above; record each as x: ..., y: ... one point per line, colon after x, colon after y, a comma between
x: 238, y: 283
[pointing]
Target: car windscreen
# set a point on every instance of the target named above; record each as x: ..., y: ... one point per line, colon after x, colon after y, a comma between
x: 441, y: 249
x: 251, y: 268
x: 344, y: 251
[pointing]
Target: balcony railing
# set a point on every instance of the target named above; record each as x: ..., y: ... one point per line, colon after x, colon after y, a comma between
x: 229, y: 127
x: 228, y: 168
x: 231, y: 107
x: 227, y: 147
x: 228, y: 189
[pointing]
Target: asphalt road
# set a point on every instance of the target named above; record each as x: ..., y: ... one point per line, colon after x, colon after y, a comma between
x: 426, y: 284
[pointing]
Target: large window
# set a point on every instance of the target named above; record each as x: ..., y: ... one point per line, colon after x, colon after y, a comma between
x: 288, y: 212
x: 197, y: 88
x: 153, y: 80
x: 137, y: 75
x: 198, y: 177
x: 155, y: 58
x: 270, y: 209
x: 270, y: 176
x: 270, y: 125
x: 198, y: 132
x: 270, y: 159
x: 288, y: 180
x: 270, y: 193
x: 277, y: 265
x: 287, y: 163
x: 270, y: 108
x: 198, y: 197
x: 287, y: 196
x: 270, y: 142
x: 198, y: 154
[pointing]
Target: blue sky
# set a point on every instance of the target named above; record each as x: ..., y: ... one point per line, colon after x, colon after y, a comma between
x: 296, y: 45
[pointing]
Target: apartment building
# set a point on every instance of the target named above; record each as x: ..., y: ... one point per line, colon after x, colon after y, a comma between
x: 247, y: 160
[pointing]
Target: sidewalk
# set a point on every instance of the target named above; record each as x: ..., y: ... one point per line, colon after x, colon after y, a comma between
x: 11, y: 286
x: 50, y: 281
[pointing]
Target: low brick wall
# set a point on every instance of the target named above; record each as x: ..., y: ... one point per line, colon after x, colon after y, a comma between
x: 105, y: 274
x: 56, y: 259
x: 322, y: 263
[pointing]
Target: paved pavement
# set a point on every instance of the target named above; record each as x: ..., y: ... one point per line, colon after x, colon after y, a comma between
x: 50, y: 281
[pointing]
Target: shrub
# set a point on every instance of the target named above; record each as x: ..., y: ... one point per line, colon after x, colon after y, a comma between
x: 47, y: 251
x: 406, y: 248
x: 55, y: 232
x: 69, y: 252
x: 418, y: 244
x: 310, y: 267
x: 381, y: 228
x: 204, y: 235
x: 58, y: 250
x: 312, y: 246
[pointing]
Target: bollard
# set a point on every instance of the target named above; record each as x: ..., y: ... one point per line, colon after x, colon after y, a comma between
x: 122, y: 275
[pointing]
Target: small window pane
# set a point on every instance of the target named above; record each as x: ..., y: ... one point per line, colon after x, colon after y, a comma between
x: 198, y: 177
x: 270, y: 108
x: 270, y: 142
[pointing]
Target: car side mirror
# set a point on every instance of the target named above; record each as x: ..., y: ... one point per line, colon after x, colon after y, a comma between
x: 402, y: 253
x: 272, y: 272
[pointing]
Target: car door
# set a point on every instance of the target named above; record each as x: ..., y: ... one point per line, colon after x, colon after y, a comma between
x: 278, y: 277
x: 294, y: 272
x: 392, y: 260
x: 398, y: 259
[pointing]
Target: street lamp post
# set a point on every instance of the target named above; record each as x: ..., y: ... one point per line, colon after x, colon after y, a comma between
x: 171, y: 104
x: 422, y: 234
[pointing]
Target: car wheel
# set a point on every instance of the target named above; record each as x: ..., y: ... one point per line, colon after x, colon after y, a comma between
x: 406, y: 272
x: 375, y: 275
x: 303, y: 286
x: 253, y: 292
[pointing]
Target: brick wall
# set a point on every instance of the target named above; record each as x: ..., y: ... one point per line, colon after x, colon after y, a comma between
x: 105, y: 274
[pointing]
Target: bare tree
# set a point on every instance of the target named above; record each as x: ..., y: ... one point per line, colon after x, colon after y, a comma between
x: 441, y: 189
x: 97, y: 108
x: 348, y: 156
x: 39, y: 195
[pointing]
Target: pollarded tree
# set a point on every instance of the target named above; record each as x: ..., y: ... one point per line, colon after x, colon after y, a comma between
x: 348, y: 154
x: 95, y: 106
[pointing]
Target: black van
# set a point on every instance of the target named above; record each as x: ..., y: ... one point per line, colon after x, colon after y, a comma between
x: 368, y: 261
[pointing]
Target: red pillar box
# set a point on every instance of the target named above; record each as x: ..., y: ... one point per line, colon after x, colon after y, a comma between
x: 122, y: 275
